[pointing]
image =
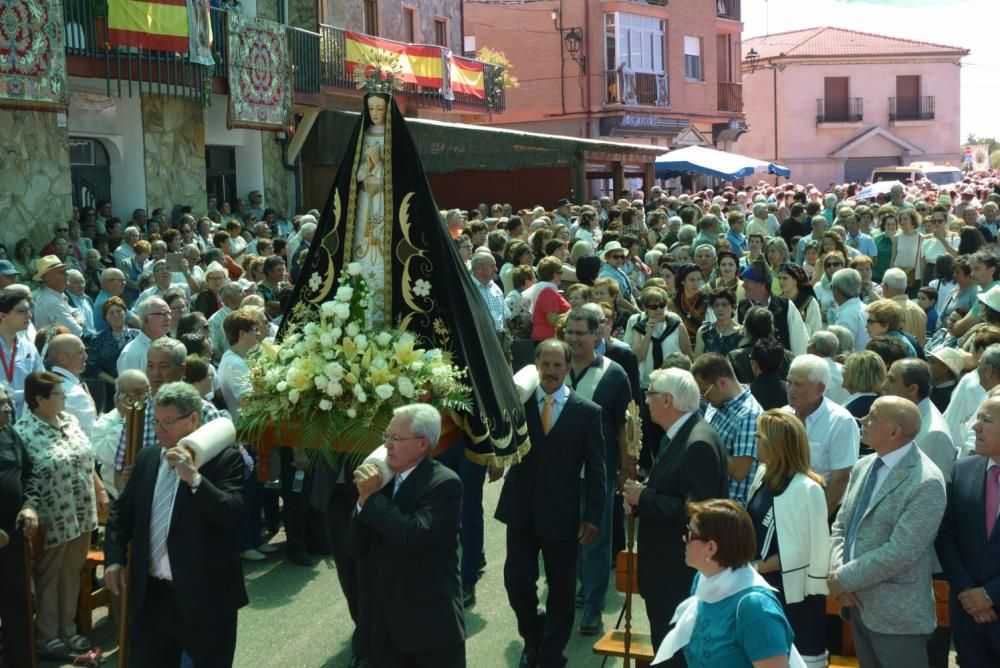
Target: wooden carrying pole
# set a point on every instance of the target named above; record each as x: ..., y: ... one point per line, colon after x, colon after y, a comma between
x: 135, y: 417
x: 30, y: 607
x: 633, y: 431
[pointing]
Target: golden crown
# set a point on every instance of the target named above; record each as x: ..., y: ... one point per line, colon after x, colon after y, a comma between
x: 381, y: 74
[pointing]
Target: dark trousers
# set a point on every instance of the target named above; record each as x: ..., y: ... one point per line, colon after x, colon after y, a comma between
x: 295, y: 505
x: 14, y: 604
x: 250, y: 538
x: 159, y: 632
x: 520, y: 575
x: 662, y: 598
x: 350, y: 570
x: 473, y: 476
x: 384, y: 655
x: 979, y: 648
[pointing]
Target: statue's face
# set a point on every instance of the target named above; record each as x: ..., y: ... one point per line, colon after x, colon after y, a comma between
x: 376, y: 110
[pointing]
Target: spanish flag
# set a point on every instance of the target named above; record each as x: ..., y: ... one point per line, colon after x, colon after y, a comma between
x: 149, y: 24
x: 421, y: 65
x: 468, y: 77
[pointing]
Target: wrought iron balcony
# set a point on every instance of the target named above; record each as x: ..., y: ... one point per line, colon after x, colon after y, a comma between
x: 728, y: 9
x: 840, y: 110
x: 730, y: 96
x: 623, y: 86
x: 335, y: 72
x: 911, y: 108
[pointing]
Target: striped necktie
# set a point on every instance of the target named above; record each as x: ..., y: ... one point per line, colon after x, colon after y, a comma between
x: 159, y: 523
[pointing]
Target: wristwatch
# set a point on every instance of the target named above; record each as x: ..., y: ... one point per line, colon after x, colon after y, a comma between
x: 195, y: 481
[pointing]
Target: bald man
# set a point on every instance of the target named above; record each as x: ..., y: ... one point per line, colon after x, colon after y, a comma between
x: 131, y: 387
x: 68, y: 357
x: 882, y: 543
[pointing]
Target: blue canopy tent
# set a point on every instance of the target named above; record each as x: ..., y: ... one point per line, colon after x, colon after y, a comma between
x: 722, y: 165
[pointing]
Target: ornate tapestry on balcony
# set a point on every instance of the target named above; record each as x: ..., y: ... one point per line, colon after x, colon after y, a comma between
x: 32, y: 55
x: 260, y: 76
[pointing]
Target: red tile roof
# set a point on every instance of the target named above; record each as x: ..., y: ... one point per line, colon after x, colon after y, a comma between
x: 833, y: 42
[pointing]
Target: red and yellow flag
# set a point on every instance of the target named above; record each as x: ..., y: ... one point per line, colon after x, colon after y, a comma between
x: 421, y: 65
x: 149, y: 24
x: 468, y: 77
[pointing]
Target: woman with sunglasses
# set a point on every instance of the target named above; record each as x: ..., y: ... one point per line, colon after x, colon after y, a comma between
x: 795, y: 287
x: 939, y: 241
x: 886, y: 317
x: 788, y: 507
x: 655, y: 333
x: 734, y: 618
x: 724, y: 334
x: 884, y: 241
x: 828, y: 265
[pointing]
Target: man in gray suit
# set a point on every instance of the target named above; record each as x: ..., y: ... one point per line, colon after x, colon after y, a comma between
x: 882, y: 540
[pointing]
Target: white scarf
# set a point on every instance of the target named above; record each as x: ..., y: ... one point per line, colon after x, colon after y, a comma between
x: 712, y: 590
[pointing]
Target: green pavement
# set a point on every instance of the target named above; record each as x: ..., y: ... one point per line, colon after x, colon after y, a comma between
x: 298, y: 618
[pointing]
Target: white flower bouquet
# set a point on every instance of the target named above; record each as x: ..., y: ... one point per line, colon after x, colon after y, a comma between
x: 337, y: 383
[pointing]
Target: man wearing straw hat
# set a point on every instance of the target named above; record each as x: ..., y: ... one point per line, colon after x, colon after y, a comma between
x: 52, y: 306
x: 186, y: 575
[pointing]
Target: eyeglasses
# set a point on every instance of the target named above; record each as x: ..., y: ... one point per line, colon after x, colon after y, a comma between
x: 167, y: 424
x: 873, y: 322
x: 708, y: 391
x: 834, y: 263
x: 656, y: 307
x: 396, y: 439
x: 135, y: 395
x: 691, y: 535
x: 161, y: 313
x: 62, y: 229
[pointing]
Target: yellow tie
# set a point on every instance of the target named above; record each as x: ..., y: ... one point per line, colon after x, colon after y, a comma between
x: 547, y: 413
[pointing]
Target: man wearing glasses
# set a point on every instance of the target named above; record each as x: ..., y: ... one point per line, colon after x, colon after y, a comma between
x: 407, y: 533
x: 184, y: 592
x: 154, y: 316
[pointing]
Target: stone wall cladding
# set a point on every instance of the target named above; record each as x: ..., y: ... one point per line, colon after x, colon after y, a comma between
x: 304, y: 14
x: 35, y: 181
x: 174, y: 148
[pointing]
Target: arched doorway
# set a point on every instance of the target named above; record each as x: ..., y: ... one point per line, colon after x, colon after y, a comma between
x: 90, y: 172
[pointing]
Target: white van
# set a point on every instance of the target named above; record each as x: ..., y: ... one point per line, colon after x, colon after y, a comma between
x: 939, y: 175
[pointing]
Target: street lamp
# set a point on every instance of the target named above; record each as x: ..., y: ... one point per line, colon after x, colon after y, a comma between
x: 573, y: 39
x: 752, y: 58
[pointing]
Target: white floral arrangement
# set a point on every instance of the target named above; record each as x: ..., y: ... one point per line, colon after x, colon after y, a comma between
x: 341, y: 382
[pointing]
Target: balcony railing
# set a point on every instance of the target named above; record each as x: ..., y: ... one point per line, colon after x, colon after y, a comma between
x: 728, y: 9
x: 334, y: 72
x: 911, y: 108
x: 839, y: 110
x: 730, y: 96
x: 637, y: 88
x: 169, y: 73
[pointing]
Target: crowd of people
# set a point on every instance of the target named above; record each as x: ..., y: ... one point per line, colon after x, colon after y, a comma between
x: 815, y: 375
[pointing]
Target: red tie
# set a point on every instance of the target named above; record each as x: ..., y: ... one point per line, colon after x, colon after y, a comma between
x: 992, y: 498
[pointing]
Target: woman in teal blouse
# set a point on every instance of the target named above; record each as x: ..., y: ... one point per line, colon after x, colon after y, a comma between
x: 733, y: 618
x: 888, y: 225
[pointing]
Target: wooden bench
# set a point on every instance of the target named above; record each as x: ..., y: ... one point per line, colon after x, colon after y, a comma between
x: 641, y: 648
x: 90, y: 599
x: 848, y: 659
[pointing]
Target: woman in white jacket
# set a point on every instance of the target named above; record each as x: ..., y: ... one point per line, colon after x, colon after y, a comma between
x: 788, y: 508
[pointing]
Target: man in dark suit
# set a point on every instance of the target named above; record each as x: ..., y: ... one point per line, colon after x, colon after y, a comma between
x: 968, y: 544
x: 541, y: 506
x: 187, y: 578
x: 407, y: 533
x: 690, y: 465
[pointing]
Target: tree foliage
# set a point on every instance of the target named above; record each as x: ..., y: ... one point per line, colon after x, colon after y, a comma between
x: 494, y: 57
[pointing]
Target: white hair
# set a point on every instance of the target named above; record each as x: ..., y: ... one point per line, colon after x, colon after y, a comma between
x: 144, y: 307
x: 895, y: 280
x: 815, y: 368
x: 425, y: 421
x: 680, y: 385
x: 847, y: 282
x: 825, y: 343
x: 110, y: 273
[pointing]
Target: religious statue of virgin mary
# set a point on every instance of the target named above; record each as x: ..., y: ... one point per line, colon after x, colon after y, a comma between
x: 381, y: 215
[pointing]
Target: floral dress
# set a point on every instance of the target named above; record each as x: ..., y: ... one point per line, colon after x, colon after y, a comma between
x: 63, y: 465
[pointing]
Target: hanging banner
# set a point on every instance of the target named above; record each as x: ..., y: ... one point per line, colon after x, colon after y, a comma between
x: 421, y: 65
x: 33, y: 55
x: 468, y: 77
x: 200, y: 30
x: 260, y: 77
x: 161, y: 25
